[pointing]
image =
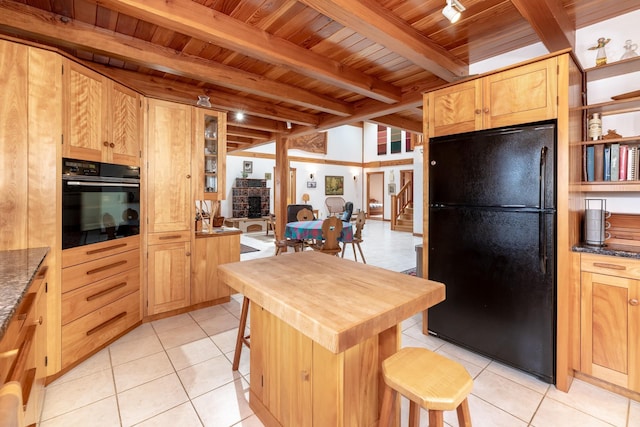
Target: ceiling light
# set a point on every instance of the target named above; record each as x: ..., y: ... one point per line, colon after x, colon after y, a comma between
x: 239, y: 115
x: 452, y: 10
x: 288, y: 125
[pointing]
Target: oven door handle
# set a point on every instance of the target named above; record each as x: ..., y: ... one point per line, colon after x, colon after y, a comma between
x: 100, y: 184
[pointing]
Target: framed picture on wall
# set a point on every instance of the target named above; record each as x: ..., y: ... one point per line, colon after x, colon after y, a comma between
x: 247, y: 166
x: 334, y: 185
x: 392, y: 188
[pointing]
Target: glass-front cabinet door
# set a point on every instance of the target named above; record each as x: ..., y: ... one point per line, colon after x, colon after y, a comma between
x: 211, y: 151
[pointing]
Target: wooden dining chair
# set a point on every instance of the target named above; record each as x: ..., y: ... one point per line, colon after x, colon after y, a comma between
x: 357, y: 237
x: 331, y: 230
x: 304, y: 215
x: 283, y: 245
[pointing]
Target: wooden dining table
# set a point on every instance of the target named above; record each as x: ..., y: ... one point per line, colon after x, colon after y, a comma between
x: 320, y: 328
x: 312, y: 230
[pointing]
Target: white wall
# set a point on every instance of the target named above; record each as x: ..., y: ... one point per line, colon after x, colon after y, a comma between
x: 343, y: 144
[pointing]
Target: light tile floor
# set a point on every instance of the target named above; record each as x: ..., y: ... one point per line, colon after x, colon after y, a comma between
x: 177, y: 371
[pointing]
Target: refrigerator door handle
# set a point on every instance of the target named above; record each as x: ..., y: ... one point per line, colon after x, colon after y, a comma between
x: 541, y: 217
x: 542, y: 250
x: 542, y: 177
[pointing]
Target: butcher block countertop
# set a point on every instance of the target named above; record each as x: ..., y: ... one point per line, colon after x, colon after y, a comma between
x: 336, y: 302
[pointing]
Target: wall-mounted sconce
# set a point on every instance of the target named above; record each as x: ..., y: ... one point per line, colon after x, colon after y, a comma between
x: 452, y: 10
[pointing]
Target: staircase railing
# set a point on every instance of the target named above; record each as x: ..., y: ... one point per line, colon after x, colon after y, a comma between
x: 400, y: 201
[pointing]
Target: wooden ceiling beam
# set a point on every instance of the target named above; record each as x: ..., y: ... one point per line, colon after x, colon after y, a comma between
x: 206, y: 24
x: 182, y: 92
x: 550, y: 21
x: 369, y: 18
x: 49, y: 27
x: 394, y: 121
x: 248, y: 133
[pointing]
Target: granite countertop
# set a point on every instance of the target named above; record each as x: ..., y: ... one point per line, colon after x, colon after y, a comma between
x: 17, y: 270
x: 624, y: 251
x: 218, y: 231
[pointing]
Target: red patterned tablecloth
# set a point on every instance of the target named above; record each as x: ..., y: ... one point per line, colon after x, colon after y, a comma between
x: 305, y: 230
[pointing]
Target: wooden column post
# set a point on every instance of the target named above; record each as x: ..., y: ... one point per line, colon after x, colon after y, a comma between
x: 281, y: 184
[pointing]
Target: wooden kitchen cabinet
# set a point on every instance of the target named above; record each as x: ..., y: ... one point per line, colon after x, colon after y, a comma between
x: 23, y: 349
x: 104, y: 118
x: 212, y: 250
x: 170, y: 205
x: 610, y: 319
x: 168, y: 276
x: 100, y: 295
x: 519, y: 95
x: 210, y: 153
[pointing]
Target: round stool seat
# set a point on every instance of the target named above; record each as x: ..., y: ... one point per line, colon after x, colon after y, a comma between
x: 428, y: 380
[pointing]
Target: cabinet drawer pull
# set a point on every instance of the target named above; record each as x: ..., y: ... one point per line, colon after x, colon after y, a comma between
x: 609, y: 266
x: 106, y: 267
x: 27, y: 384
x: 26, y: 306
x: 106, y: 323
x: 42, y: 272
x: 633, y: 301
x: 20, y: 363
x: 173, y: 236
x: 106, y: 291
x: 108, y: 248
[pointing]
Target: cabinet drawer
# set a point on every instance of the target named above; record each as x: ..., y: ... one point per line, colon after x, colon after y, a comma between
x: 611, y: 266
x: 169, y: 237
x: 82, y: 301
x: 79, y: 275
x: 96, y: 251
x: 90, y: 332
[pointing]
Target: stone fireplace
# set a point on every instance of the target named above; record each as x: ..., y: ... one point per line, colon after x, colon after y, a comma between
x: 250, y: 198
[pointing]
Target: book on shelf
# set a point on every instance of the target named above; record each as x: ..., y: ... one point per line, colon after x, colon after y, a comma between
x: 598, y: 163
x: 632, y: 163
x: 607, y: 163
x: 623, y: 162
x: 615, y: 162
x: 589, y: 168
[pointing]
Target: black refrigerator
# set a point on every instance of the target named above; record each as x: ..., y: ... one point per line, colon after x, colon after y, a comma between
x: 492, y: 240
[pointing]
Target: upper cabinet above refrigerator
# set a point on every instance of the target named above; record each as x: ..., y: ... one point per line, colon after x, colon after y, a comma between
x: 524, y: 94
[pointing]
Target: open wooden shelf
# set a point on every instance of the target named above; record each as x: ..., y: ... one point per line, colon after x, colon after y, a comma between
x: 610, y: 186
x: 629, y: 140
x: 613, y: 69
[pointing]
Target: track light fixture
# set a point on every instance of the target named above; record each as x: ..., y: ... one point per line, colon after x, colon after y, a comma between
x: 452, y: 10
x: 288, y: 125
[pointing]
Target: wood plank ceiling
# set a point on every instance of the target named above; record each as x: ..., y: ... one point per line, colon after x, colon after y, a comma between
x: 316, y: 64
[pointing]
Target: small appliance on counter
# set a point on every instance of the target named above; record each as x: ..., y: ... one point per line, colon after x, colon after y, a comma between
x: 595, y: 222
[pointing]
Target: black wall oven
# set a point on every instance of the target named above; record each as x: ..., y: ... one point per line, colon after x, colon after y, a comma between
x: 100, y: 201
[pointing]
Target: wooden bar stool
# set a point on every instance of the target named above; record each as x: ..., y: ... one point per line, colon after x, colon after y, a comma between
x: 242, y: 338
x: 428, y: 380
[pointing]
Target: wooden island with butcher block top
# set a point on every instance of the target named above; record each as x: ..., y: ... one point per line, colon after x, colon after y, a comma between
x: 320, y: 328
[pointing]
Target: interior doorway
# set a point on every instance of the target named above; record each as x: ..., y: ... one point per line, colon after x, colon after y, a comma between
x: 375, y: 195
